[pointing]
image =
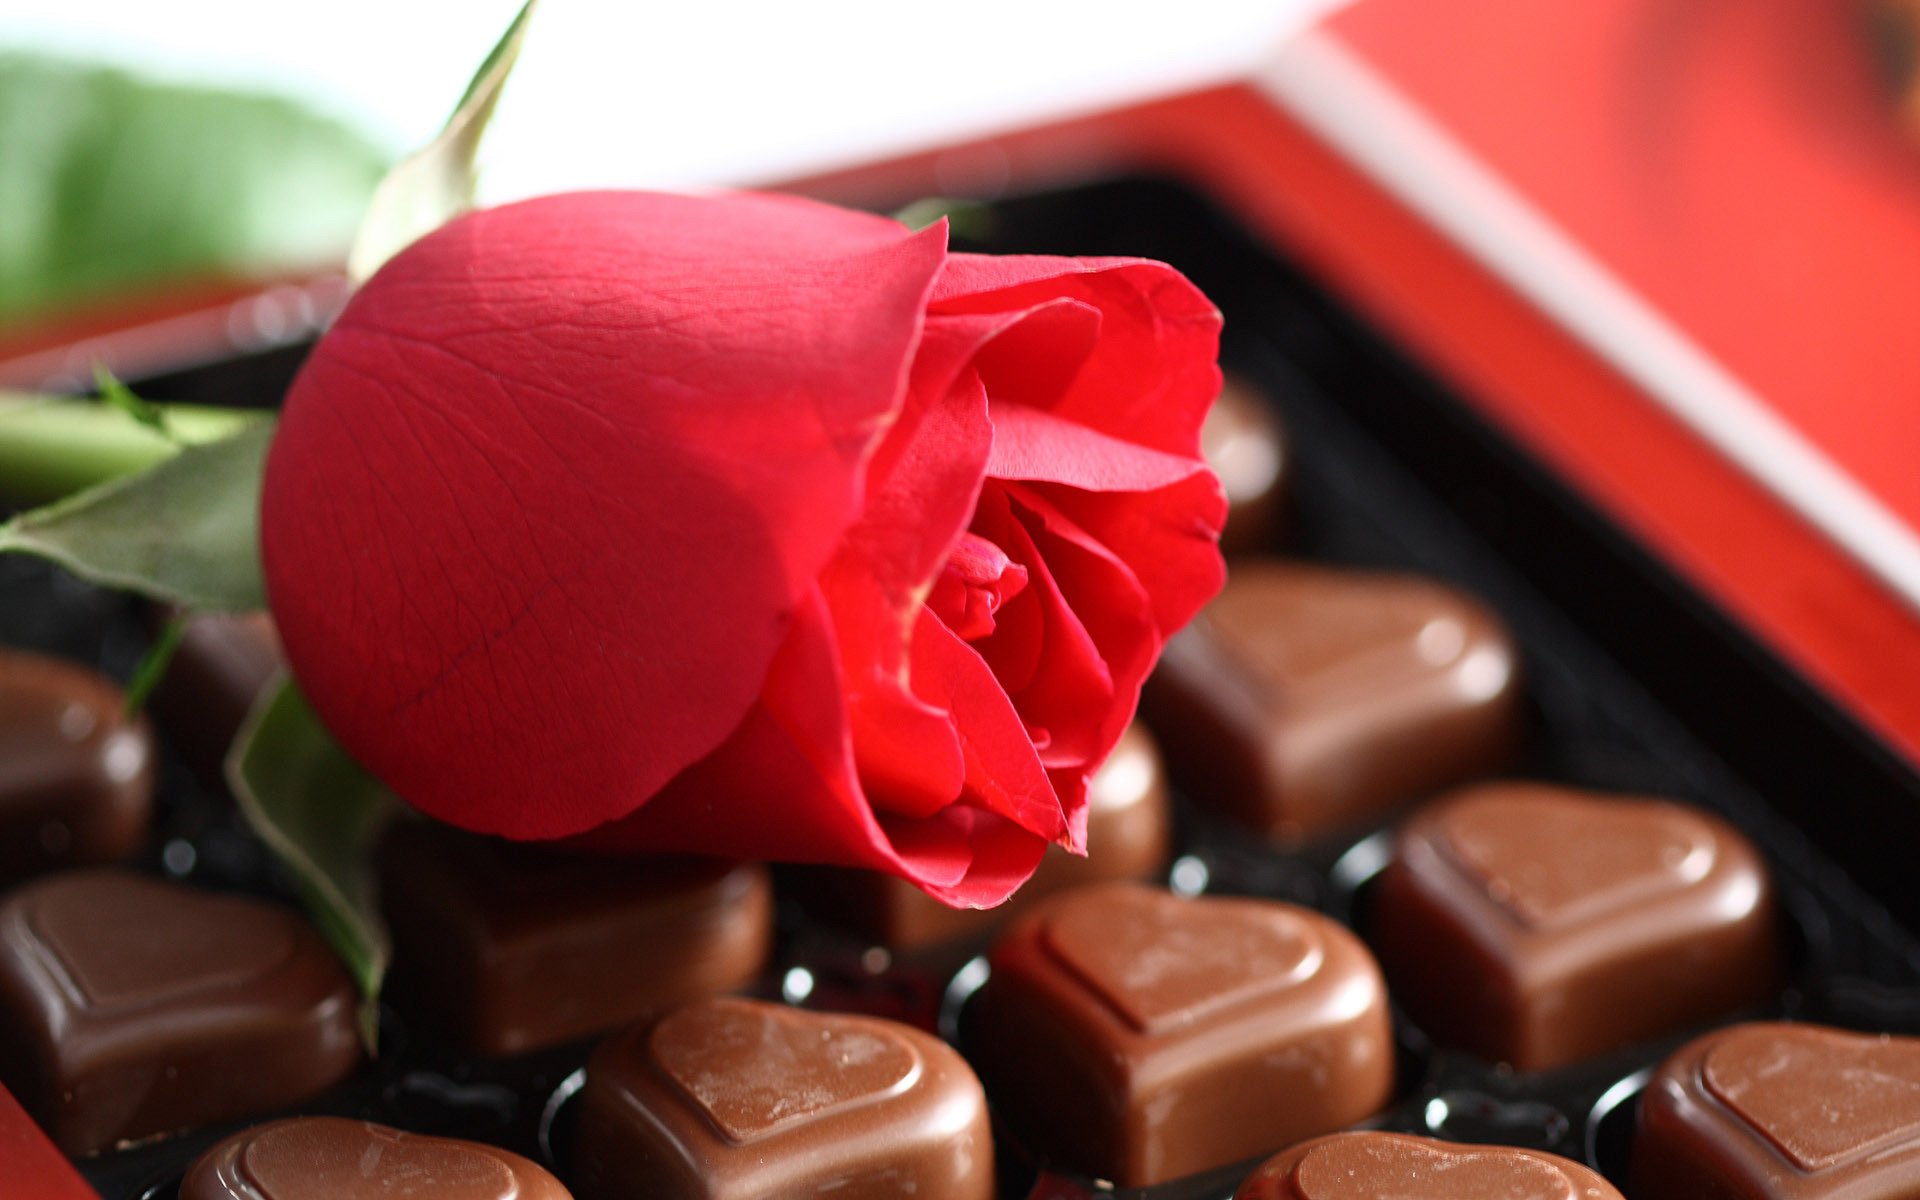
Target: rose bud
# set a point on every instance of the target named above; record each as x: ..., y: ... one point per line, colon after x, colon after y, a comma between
x: 745, y: 525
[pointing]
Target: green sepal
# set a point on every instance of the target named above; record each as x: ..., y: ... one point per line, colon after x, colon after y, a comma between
x: 154, y: 663
x: 116, y: 394
x: 435, y: 183
x: 322, y: 815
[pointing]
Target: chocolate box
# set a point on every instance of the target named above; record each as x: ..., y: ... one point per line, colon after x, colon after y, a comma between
x: 1691, y: 621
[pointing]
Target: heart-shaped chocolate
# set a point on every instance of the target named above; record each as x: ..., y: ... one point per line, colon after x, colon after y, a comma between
x: 1377, y: 1169
x: 1161, y: 961
x: 331, y: 1158
x: 126, y: 942
x: 1312, y: 629
x: 1394, y: 1166
x: 1556, y: 858
x: 757, y: 1069
x: 1821, y: 1096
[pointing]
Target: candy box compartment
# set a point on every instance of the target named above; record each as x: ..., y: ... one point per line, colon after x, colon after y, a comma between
x: 1634, y: 685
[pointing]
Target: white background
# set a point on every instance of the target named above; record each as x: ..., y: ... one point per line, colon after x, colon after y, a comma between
x: 679, y: 93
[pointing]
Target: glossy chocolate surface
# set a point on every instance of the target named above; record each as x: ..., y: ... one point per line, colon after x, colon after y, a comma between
x: 331, y: 1158
x: 502, y: 947
x: 1771, y: 1111
x: 1243, y: 442
x: 222, y: 663
x: 1893, y: 31
x: 1307, y: 699
x: 1538, y: 925
x: 131, y: 1007
x: 1127, y: 836
x: 735, y: 1099
x: 76, y: 776
x: 1138, y: 1037
x: 1387, y: 1166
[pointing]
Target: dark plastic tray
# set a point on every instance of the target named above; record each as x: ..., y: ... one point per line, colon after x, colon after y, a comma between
x: 1635, y: 684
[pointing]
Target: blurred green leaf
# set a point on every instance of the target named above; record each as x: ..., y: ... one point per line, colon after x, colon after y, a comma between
x: 53, y: 446
x: 185, y: 531
x: 434, y: 184
x: 322, y: 814
x: 971, y: 220
x: 109, y: 182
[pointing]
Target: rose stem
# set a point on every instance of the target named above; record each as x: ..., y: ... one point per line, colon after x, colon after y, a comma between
x: 52, y: 446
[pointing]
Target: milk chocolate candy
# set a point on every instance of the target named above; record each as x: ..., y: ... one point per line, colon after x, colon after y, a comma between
x: 329, y: 1158
x: 1782, y: 1112
x: 504, y: 947
x: 1136, y: 1037
x: 1243, y: 442
x: 1306, y: 699
x: 76, y: 776
x: 731, y: 1099
x: 1127, y: 834
x: 223, y: 661
x: 131, y: 1007
x: 1368, y: 1166
x: 1538, y: 925
x: 1893, y: 37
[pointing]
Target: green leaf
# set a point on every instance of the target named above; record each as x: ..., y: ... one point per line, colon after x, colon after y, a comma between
x: 435, y: 184
x: 112, y: 183
x: 323, y: 815
x: 54, y: 446
x: 185, y: 531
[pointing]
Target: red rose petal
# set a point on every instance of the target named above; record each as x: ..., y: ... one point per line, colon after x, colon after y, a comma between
x: 977, y: 581
x: 1033, y: 443
x: 1097, y: 610
x: 1168, y: 538
x: 783, y: 786
x: 542, y: 505
x: 921, y: 489
x: 1065, y: 688
x: 1004, y: 772
x: 1035, y: 361
x: 1152, y: 374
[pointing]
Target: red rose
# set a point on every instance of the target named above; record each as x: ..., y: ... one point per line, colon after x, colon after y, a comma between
x: 745, y: 525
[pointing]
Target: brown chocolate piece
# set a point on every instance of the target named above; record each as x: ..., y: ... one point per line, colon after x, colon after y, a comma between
x: 1771, y: 1111
x: 504, y: 947
x: 223, y: 661
x: 131, y: 1007
x: 76, y: 776
x: 1127, y: 833
x: 1893, y: 38
x: 1244, y: 444
x: 1368, y: 1166
x: 1137, y: 1037
x: 330, y: 1158
x: 738, y: 1100
x: 1540, y: 925
x: 1306, y: 699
